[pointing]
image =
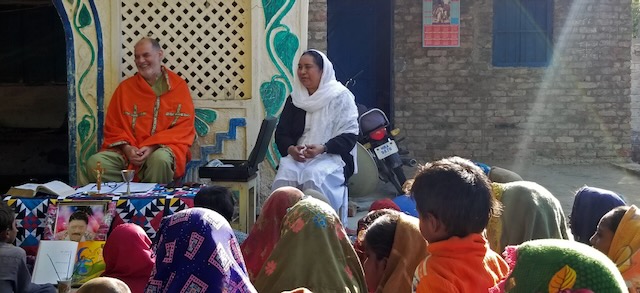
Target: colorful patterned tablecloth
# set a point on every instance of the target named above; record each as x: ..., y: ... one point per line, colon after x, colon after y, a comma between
x: 147, y: 210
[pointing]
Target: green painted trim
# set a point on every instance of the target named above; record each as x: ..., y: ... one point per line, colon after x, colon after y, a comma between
x: 285, y: 44
x: 87, y: 127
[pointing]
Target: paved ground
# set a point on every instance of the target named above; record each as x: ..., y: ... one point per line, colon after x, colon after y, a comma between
x: 561, y: 180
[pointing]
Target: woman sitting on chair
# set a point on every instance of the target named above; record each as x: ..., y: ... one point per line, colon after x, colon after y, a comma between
x: 317, y: 133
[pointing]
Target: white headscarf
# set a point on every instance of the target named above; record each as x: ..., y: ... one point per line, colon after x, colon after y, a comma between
x: 331, y: 109
x: 328, y: 89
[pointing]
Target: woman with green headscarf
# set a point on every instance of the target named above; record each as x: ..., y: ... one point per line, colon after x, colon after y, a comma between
x: 529, y: 212
x: 313, y: 252
x: 559, y: 266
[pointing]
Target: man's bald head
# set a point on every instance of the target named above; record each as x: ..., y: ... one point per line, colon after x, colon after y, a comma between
x: 104, y: 285
x: 148, y: 57
x: 154, y: 43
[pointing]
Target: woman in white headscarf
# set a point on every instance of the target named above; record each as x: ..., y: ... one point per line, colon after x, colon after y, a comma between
x: 317, y: 133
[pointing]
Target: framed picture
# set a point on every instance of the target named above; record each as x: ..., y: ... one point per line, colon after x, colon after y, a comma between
x: 80, y: 220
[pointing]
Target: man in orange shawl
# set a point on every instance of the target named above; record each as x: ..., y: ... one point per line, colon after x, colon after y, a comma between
x: 149, y: 125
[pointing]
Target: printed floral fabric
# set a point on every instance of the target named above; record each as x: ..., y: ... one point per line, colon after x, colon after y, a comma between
x: 313, y: 252
x: 198, y: 252
x: 266, y: 232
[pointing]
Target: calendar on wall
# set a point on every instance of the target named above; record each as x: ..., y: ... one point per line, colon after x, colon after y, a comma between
x: 441, y: 23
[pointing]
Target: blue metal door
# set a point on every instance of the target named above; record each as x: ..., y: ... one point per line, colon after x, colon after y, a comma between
x: 359, y: 40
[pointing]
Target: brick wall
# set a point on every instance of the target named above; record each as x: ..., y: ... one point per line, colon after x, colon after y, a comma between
x: 318, y: 25
x: 635, y: 100
x: 453, y: 102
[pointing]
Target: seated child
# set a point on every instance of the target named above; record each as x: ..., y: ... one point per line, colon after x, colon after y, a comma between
x: 618, y: 236
x: 393, y: 248
x: 589, y: 205
x: 218, y: 199
x: 104, y: 285
x: 405, y: 202
x: 558, y: 266
x: 14, y: 275
x: 454, y: 202
x: 363, y: 225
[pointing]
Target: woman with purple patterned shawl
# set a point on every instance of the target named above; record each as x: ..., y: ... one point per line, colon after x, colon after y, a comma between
x: 198, y: 252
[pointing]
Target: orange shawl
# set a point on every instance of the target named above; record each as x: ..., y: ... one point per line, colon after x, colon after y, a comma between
x: 625, y: 248
x: 409, y: 249
x: 460, y: 265
x: 137, y: 117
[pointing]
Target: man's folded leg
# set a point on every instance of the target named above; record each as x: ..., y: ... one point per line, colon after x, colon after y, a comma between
x: 159, y: 167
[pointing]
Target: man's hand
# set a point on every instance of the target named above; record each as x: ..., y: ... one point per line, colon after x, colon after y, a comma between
x: 131, y: 153
x: 143, y: 153
x: 312, y: 150
x: 297, y: 152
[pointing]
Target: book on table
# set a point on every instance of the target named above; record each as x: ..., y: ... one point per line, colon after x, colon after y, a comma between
x: 55, y: 187
x: 63, y: 259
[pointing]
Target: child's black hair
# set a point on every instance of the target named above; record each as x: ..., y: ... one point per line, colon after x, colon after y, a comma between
x: 7, y: 216
x: 380, y: 235
x: 457, y: 193
x: 216, y: 198
x: 616, y: 217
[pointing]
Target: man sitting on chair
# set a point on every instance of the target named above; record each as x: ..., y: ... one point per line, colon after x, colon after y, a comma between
x: 150, y: 123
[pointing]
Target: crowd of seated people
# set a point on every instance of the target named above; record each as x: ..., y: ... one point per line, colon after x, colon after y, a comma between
x: 470, y: 235
x: 460, y: 227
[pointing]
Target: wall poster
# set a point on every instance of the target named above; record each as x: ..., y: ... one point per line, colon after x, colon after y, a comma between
x: 440, y: 23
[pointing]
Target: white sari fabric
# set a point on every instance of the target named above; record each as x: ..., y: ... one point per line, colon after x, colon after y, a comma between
x: 330, y: 111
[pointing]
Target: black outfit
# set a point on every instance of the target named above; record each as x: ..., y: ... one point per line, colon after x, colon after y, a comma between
x: 291, y: 126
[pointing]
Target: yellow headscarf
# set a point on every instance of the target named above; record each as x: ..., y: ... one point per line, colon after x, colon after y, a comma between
x: 624, y: 248
x: 494, y: 227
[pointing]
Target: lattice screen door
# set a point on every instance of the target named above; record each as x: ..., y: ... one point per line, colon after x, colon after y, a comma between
x: 206, y: 42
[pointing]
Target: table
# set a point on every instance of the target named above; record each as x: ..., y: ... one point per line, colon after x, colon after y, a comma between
x: 245, y: 193
x: 147, y: 211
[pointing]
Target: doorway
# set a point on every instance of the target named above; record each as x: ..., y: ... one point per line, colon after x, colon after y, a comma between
x: 33, y: 94
x: 360, y: 46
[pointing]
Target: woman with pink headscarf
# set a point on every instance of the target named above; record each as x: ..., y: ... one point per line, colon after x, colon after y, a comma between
x: 127, y: 255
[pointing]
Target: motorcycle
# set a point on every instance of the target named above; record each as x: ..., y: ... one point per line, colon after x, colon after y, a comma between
x: 380, y: 142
